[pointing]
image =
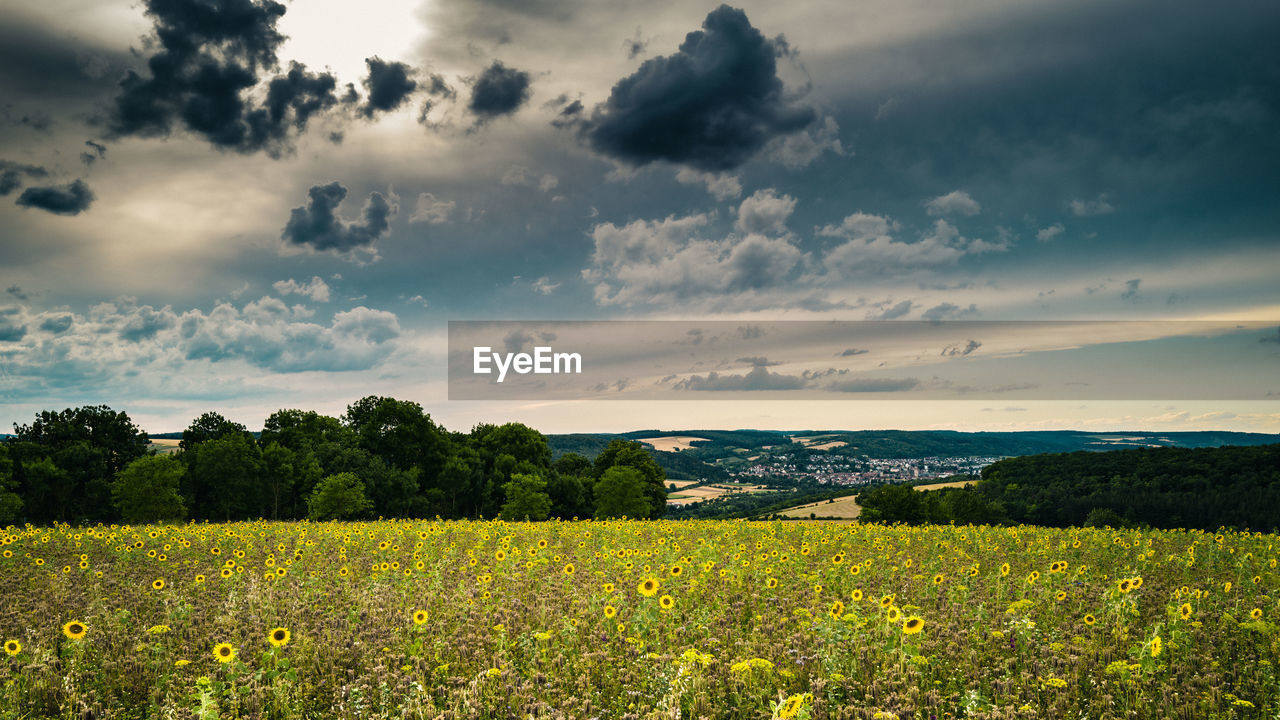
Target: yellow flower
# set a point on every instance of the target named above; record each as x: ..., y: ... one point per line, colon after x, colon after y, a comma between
x: 856, y: 595
x: 1256, y: 613
x: 771, y: 583
x: 181, y: 663
x: 419, y: 617
x: 157, y: 584
x: 610, y: 611
x: 1004, y: 569
x: 1226, y: 587
x: 937, y: 579
x: 648, y: 587
x: 75, y: 630
x: 568, y: 569
x: 1090, y: 619
x: 912, y: 625
x: 279, y: 637
x: 893, y: 614
x: 13, y: 647
x: 792, y: 706
x: 224, y: 652
x: 666, y: 602
x: 1156, y: 646
x: 1185, y: 611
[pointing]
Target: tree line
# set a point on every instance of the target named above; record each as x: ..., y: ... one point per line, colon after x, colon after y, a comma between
x: 382, y: 458
x: 1199, y: 488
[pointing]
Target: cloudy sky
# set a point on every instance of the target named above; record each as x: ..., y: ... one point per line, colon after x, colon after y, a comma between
x: 242, y: 205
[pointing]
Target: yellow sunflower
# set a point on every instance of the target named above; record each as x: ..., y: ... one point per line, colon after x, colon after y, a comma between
x: 279, y: 637
x: 666, y: 602
x: 224, y: 652
x: 648, y: 587
x: 75, y: 630
x: 419, y: 617
x: 13, y: 647
x: 912, y: 625
x: 157, y: 584
x: 610, y: 611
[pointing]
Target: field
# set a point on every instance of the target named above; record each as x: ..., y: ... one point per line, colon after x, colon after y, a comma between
x: 671, y: 443
x: 686, y: 495
x: 845, y: 508
x: 635, y: 620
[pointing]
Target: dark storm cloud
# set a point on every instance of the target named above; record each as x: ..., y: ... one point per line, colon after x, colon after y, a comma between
x: 758, y: 361
x: 70, y: 199
x: 50, y: 68
x: 498, y: 91
x: 758, y: 379
x: 712, y: 105
x: 388, y: 84
x: 318, y: 226
x: 202, y: 76
x: 10, y: 329
x: 99, y: 151
x: 11, y: 175
x: 850, y: 352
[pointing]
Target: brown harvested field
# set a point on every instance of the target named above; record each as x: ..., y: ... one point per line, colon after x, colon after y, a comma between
x: 828, y: 445
x: 671, y: 443
x: 686, y: 495
x: 165, y: 446
x: 845, y: 508
x: 939, y: 486
x: 681, y: 483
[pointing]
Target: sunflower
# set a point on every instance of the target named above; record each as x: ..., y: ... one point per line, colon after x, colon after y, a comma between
x: 1156, y: 646
x: 1226, y: 587
x: 1090, y: 619
x: 648, y: 587
x: 13, y: 647
x: 199, y: 579
x: 666, y: 602
x: 893, y: 614
x: 1062, y: 595
x: 225, y: 572
x: 1136, y: 582
x: 1125, y: 585
x: 856, y: 595
x: 344, y: 572
x: 855, y: 569
x: 157, y: 584
x: 279, y: 637
x: 676, y: 570
x: 75, y: 630
x: 1004, y: 569
x: 836, y: 610
x: 608, y: 587
x: 610, y: 611
x: 886, y: 601
x: 568, y: 569
x: 500, y: 555
x: 1256, y: 613
x: 771, y: 583
x: 912, y: 625
x: 1185, y: 611
x: 937, y: 579
x: 224, y: 652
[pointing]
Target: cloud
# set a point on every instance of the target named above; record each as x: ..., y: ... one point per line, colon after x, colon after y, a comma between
x: 57, y: 324
x: 850, y: 352
x: 11, y: 175
x: 722, y: 186
x: 17, y: 292
x: 956, y: 202
x: 894, y: 312
x: 1049, y: 233
x: 316, y: 289
x: 499, y: 91
x: 519, y: 175
x: 948, y: 311
x: 758, y: 361
x: 1085, y: 208
x: 431, y: 210
x: 70, y: 199
x: 710, y: 106
x: 388, y: 85
x: 874, y: 385
x: 544, y: 286
x: 204, y: 78
x: 11, y: 329
x: 317, y: 225
x: 765, y: 213
x: 99, y: 151
x: 667, y: 260
x: 1131, y: 289
x: 798, y: 150
x: 758, y: 379
x: 961, y: 350
x: 869, y: 249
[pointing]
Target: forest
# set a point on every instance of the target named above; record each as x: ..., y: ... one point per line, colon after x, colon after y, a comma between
x: 1200, y: 488
x: 382, y: 458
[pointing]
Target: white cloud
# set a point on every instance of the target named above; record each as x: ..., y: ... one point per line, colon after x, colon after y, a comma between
x: 316, y: 289
x: 544, y: 286
x: 765, y: 213
x: 798, y: 150
x: 1049, y: 233
x: 869, y: 249
x: 1085, y: 208
x: 956, y: 202
x: 432, y: 210
x: 722, y: 186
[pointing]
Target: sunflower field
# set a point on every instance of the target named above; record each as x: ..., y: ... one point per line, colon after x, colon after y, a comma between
x: 618, y: 619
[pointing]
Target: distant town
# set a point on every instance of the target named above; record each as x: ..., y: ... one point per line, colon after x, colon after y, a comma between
x: 839, y: 470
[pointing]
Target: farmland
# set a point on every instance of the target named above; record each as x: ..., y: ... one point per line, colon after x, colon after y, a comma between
x: 625, y: 619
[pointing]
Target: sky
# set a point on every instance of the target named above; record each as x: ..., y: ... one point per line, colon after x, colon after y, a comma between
x: 244, y: 205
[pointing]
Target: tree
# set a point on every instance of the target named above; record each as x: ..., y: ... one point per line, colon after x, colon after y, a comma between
x: 621, y: 493
x: 400, y: 433
x: 224, y: 478
x: 624, y: 453
x: 10, y: 502
x: 147, y: 490
x: 526, y: 499
x: 209, y: 426
x: 338, y: 497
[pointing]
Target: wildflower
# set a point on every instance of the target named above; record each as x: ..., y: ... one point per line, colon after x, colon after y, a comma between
x: 913, y: 625
x: 75, y: 630
x: 1156, y: 646
x: 1004, y: 570
x: 1090, y: 619
x: 419, y: 617
x: 648, y: 587
x: 568, y: 569
x: 610, y: 611
x: 1256, y: 613
x: 279, y: 637
x: 224, y: 652
x: 666, y: 602
x: 893, y: 614
x: 792, y: 706
x: 856, y: 595
x: 157, y: 584
x: 13, y: 647
x: 937, y: 579
x: 1185, y: 611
